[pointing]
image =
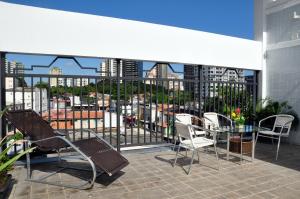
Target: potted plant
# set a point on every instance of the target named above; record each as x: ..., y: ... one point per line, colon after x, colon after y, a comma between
x: 238, y: 118
x: 6, y: 162
x: 267, y: 107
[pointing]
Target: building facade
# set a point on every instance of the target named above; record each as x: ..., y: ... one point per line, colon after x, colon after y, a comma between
x: 191, y: 72
x: 128, y: 68
x: 56, y: 81
x: 277, y: 26
x: 27, y: 98
x: 11, y: 68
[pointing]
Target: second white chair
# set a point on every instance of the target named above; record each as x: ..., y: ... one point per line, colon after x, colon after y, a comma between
x: 189, y: 141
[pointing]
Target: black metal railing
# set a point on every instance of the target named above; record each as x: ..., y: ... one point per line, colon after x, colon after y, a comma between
x: 126, y: 111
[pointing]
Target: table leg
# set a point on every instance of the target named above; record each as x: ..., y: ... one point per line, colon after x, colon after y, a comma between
x: 241, y: 157
x: 228, y: 142
x: 253, y: 145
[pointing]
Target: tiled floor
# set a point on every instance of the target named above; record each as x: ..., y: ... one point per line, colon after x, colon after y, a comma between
x: 151, y: 176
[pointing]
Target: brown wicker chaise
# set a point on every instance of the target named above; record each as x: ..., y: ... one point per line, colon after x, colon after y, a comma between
x: 95, y: 150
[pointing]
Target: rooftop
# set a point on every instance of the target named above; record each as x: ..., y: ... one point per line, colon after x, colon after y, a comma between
x: 151, y: 175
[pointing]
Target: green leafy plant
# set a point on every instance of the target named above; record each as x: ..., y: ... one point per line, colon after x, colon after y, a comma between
x: 267, y: 107
x: 6, y: 162
x: 237, y: 116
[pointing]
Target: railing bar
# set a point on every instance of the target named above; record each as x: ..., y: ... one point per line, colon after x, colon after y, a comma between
x: 173, y: 82
x: 57, y: 111
x: 204, y: 96
x: 114, y: 78
x: 138, y: 113
x: 156, y: 109
x: 73, y: 108
x: 31, y: 90
x: 14, y: 105
x: 163, y: 112
x: 81, y: 98
x: 103, y: 112
x: 218, y: 97
x: 131, y: 111
x: 96, y: 107
x: 23, y: 95
x: 145, y: 88
x: 184, y: 100
x: 168, y: 112
x: 151, y: 111
x: 200, y: 85
x: 189, y: 97
x: 110, y: 109
x: 214, y: 96
x: 65, y: 83
x: 125, y: 105
x: 194, y: 99
x: 48, y: 101
x: 178, y: 93
x: 89, y: 113
x: 41, y: 110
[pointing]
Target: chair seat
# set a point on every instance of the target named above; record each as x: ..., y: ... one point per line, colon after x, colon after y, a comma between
x: 271, y: 133
x: 198, y: 143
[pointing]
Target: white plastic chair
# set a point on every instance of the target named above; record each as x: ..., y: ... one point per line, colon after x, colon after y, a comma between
x: 187, y: 119
x: 211, y: 121
x: 189, y: 141
x: 282, y: 122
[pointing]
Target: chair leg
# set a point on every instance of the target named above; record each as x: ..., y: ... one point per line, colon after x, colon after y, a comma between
x: 217, y: 156
x: 256, y: 138
x: 256, y: 141
x: 176, y: 155
x: 28, y: 165
x: 278, y: 145
x: 192, y: 160
x: 186, y: 152
x: 198, y: 157
x: 174, y: 145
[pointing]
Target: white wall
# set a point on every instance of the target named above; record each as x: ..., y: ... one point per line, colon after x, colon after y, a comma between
x: 33, y: 30
x: 278, y: 34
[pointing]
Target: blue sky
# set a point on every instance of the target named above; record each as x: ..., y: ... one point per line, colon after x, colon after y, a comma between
x: 228, y: 17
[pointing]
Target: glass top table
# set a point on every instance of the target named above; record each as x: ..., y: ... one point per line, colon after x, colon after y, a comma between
x: 241, y: 135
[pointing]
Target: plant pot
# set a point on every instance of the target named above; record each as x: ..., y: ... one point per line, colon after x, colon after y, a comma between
x: 235, y: 145
x: 4, y: 184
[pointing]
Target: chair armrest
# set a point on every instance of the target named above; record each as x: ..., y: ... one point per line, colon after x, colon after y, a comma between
x: 225, y: 117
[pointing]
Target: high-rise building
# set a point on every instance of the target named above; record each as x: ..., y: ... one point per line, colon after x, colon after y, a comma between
x: 159, y: 71
x: 128, y: 68
x: 56, y: 81
x: 79, y: 82
x: 133, y: 69
x: 14, y: 67
x: 11, y: 68
x: 211, y: 74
